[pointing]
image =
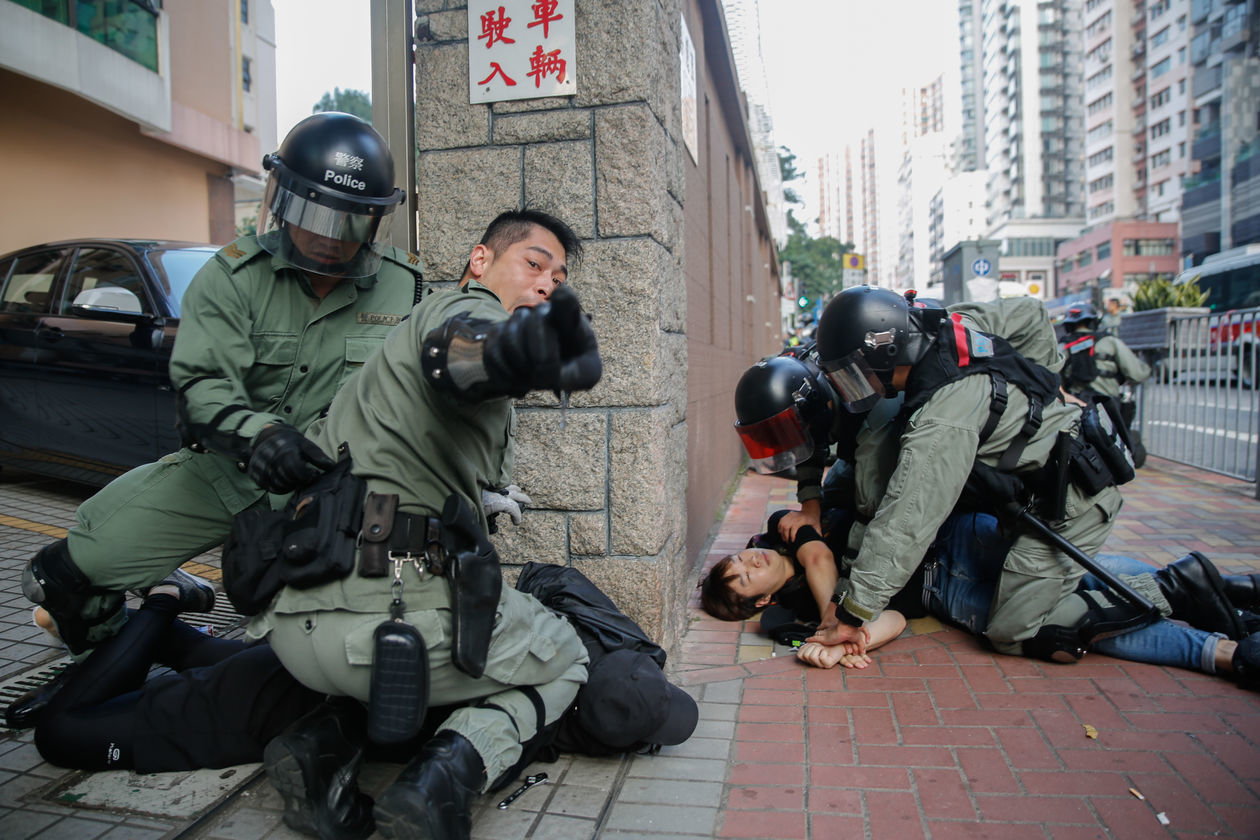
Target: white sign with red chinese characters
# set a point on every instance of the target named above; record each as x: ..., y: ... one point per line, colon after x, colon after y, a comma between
x: 520, y: 49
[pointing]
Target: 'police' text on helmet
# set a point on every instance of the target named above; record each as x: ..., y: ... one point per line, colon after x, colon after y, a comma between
x: 330, y: 187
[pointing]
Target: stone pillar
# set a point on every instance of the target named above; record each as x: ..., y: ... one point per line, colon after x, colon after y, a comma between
x: 608, y: 476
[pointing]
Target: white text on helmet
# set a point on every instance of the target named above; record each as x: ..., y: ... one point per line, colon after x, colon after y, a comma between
x: 344, y: 180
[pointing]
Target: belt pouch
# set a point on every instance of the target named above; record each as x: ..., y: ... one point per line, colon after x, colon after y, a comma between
x: 378, y: 526
x: 1089, y: 472
x: 323, y: 528
x: 399, y: 691
x: 251, y: 575
x: 476, y: 582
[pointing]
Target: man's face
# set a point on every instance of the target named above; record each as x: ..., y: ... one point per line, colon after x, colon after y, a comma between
x: 320, y: 249
x: 525, y: 273
x: 1113, y: 306
x: 758, y: 573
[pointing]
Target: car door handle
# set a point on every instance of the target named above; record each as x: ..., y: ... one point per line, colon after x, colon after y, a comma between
x: 51, y: 333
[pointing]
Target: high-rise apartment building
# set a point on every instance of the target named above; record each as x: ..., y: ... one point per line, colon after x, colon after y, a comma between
x: 1033, y: 115
x: 1220, y: 203
x: 744, y: 29
x: 133, y: 118
x: 1161, y: 107
x: 969, y: 151
x: 1110, y: 132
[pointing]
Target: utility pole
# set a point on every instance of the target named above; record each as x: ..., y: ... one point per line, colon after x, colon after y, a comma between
x: 394, y: 106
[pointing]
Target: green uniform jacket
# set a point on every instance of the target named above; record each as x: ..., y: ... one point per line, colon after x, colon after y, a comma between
x: 935, y: 453
x: 408, y: 438
x: 1116, y: 365
x: 256, y: 346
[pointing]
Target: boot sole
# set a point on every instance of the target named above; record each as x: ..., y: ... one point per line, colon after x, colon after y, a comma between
x: 284, y: 771
x: 400, y: 817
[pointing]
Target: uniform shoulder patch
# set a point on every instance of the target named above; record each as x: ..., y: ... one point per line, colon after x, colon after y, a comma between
x: 981, y: 344
x: 404, y: 258
x: 237, y: 253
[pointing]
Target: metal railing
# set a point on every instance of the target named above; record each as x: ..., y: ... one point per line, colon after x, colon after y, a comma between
x: 1201, y: 406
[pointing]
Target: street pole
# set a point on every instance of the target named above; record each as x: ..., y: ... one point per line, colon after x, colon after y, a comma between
x: 394, y: 107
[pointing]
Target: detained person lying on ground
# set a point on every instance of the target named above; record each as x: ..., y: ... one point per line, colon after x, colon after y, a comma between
x: 769, y: 571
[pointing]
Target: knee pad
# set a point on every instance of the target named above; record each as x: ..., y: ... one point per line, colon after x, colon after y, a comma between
x: 53, y: 581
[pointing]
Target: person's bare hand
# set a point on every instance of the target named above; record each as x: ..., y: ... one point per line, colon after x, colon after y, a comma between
x: 1070, y: 399
x: 792, y: 522
x: 837, y: 634
x: 828, y: 656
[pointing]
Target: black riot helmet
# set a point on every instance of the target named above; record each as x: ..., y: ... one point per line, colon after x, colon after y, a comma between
x: 1081, y: 315
x: 865, y: 333
x: 329, y: 188
x: 783, y: 407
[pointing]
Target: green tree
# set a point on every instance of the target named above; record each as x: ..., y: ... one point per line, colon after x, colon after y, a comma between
x: 817, y: 263
x: 347, y: 101
x: 788, y: 173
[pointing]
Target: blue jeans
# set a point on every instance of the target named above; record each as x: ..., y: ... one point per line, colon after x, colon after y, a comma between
x: 958, y: 588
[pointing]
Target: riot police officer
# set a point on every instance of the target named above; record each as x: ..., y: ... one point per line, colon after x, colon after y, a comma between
x: 270, y: 327
x: 427, y: 425
x: 971, y: 398
x: 1097, y: 361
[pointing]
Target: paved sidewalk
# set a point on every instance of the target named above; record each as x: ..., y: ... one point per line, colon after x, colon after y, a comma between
x: 938, y: 739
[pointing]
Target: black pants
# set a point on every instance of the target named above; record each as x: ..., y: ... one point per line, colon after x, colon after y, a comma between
x: 225, y: 703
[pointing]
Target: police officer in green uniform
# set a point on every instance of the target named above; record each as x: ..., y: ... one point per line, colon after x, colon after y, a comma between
x: 971, y: 396
x: 1097, y: 361
x: 270, y: 328
x: 427, y: 424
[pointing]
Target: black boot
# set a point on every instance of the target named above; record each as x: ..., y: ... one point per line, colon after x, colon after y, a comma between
x: 26, y: 711
x: 432, y: 797
x: 1196, y: 593
x: 315, y: 768
x: 1243, y: 591
x: 1246, y: 663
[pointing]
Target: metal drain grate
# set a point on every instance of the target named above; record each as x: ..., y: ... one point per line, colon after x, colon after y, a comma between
x: 14, y: 687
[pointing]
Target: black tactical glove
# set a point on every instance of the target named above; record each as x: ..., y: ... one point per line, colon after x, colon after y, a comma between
x: 283, y: 459
x: 550, y: 346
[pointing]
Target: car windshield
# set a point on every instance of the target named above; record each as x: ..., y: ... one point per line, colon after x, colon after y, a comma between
x: 175, y: 269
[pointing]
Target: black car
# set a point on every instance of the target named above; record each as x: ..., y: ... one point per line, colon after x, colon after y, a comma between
x: 86, y: 330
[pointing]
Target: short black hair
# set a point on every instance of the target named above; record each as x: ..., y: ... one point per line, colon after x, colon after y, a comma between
x: 511, y: 226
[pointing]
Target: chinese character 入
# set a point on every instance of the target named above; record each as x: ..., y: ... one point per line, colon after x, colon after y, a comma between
x: 498, y: 71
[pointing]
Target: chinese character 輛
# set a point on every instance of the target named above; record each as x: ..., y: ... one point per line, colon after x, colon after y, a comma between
x: 543, y: 64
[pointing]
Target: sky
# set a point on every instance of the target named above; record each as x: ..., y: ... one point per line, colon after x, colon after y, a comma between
x: 833, y: 66
x: 320, y: 45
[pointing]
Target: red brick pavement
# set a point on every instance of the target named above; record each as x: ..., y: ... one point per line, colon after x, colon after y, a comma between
x: 942, y: 739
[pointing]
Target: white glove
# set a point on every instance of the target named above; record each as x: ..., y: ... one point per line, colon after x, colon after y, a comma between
x: 508, y: 500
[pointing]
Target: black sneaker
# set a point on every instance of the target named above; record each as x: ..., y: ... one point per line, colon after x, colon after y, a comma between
x: 1246, y: 663
x: 25, y: 712
x: 195, y: 595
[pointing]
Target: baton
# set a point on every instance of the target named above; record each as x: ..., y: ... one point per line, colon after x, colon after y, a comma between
x: 1108, y: 577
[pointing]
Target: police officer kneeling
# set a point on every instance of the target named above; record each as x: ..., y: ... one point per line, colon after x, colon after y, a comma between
x: 974, y: 398
x: 423, y: 617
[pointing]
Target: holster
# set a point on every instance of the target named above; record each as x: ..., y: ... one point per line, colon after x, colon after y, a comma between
x: 476, y: 582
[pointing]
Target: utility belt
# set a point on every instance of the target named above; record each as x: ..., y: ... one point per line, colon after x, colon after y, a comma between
x: 314, y: 540
x: 1094, y: 460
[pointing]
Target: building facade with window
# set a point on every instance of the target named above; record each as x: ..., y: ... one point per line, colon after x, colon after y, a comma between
x: 133, y: 118
x: 1117, y: 256
x: 1220, y: 203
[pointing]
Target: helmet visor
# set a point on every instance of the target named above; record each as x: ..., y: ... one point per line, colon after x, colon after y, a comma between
x: 777, y: 443
x: 856, y: 383
x: 329, y: 240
